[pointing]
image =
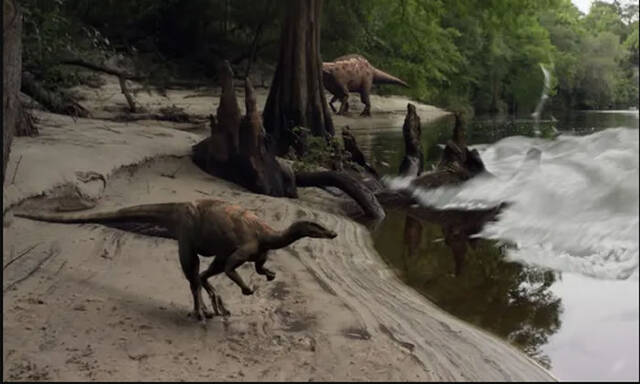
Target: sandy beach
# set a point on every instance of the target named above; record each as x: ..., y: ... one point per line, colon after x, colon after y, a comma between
x: 87, y: 302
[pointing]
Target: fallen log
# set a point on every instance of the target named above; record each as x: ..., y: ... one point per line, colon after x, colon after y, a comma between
x: 103, y: 68
x: 122, y: 76
x: 53, y: 101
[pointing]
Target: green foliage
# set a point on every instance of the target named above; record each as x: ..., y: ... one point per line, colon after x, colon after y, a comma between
x: 488, y: 53
x: 50, y: 35
x: 595, y: 55
x: 457, y: 54
x: 318, y: 151
x: 184, y: 38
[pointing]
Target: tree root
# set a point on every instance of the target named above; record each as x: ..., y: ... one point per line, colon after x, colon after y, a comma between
x: 350, y: 185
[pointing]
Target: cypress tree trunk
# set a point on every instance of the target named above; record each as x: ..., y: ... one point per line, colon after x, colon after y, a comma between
x: 296, y: 97
x: 11, y: 73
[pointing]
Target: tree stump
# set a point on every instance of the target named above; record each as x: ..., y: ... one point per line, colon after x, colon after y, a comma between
x: 357, y: 156
x: 413, y: 161
x: 456, y: 164
x: 236, y: 149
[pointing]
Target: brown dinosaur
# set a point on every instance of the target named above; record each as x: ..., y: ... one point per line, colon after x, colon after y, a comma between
x: 207, y: 228
x: 353, y: 73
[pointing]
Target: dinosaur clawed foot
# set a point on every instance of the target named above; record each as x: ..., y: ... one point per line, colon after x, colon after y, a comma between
x: 200, y: 316
x: 224, y: 312
x: 270, y: 275
x: 218, y: 307
x: 247, y: 291
x: 203, y: 315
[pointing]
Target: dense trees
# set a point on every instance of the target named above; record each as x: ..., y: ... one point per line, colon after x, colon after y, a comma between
x: 484, y: 54
x: 596, y: 58
x: 488, y: 53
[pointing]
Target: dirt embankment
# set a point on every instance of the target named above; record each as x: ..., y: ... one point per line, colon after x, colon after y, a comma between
x: 86, y: 302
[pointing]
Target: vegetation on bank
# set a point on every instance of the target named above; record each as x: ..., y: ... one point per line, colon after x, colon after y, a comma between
x: 471, y: 53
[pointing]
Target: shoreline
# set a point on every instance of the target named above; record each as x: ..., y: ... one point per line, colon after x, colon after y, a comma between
x: 98, y: 308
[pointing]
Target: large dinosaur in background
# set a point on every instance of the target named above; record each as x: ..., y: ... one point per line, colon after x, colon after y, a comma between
x: 353, y: 73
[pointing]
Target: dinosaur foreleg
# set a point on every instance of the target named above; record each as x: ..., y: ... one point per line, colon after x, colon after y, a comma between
x: 239, y: 257
x: 261, y: 270
x: 215, y: 268
x: 191, y: 267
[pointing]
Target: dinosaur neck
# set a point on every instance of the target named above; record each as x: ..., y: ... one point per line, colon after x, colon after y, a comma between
x: 281, y: 239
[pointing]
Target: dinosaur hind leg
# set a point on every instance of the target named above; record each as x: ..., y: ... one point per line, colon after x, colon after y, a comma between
x: 191, y: 267
x: 344, y: 106
x: 364, y: 97
x: 343, y: 96
x: 262, y: 270
x: 333, y: 100
x: 216, y: 268
x: 237, y: 258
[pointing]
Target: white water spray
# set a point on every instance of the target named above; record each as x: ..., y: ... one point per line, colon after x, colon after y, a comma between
x: 543, y: 99
x: 574, y: 201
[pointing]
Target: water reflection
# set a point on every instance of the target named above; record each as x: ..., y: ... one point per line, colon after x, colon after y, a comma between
x: 469, y: 278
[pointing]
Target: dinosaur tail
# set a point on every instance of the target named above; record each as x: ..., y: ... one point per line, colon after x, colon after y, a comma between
x: 151, y: 213
x: 380, y: 77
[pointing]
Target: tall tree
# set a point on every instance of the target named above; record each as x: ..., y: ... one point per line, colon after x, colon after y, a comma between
x: 297, y: 94
x: 11, y: 72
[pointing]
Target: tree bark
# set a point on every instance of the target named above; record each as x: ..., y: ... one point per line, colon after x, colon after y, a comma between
x: 413, y: 161
x: 296, y: 97
x: 11, y: 70
x: 52, y: 101
x: 351, y: 146
x: 351, y: 186
x: 236, y: 148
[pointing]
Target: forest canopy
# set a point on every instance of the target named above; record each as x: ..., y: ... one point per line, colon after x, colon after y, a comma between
x: 473, y: 53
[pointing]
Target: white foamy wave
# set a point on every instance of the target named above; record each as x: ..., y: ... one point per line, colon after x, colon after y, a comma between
x: 574, y: 201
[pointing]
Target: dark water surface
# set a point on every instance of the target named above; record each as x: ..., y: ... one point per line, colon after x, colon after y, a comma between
x: 567, y: 292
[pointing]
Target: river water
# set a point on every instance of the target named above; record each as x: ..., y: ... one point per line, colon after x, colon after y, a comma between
x: 555, y: 273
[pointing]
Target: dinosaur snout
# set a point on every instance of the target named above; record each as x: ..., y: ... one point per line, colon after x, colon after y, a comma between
x: 314, y: 230
x: 325, y: 234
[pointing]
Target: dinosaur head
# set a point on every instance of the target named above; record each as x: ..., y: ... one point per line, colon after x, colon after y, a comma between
x: 311, y: 229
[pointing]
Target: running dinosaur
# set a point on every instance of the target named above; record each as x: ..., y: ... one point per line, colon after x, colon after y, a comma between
x: 208, y: 228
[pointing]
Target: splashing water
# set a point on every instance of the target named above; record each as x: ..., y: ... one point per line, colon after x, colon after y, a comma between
x: 543, y: 98
x: 574, y: 200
